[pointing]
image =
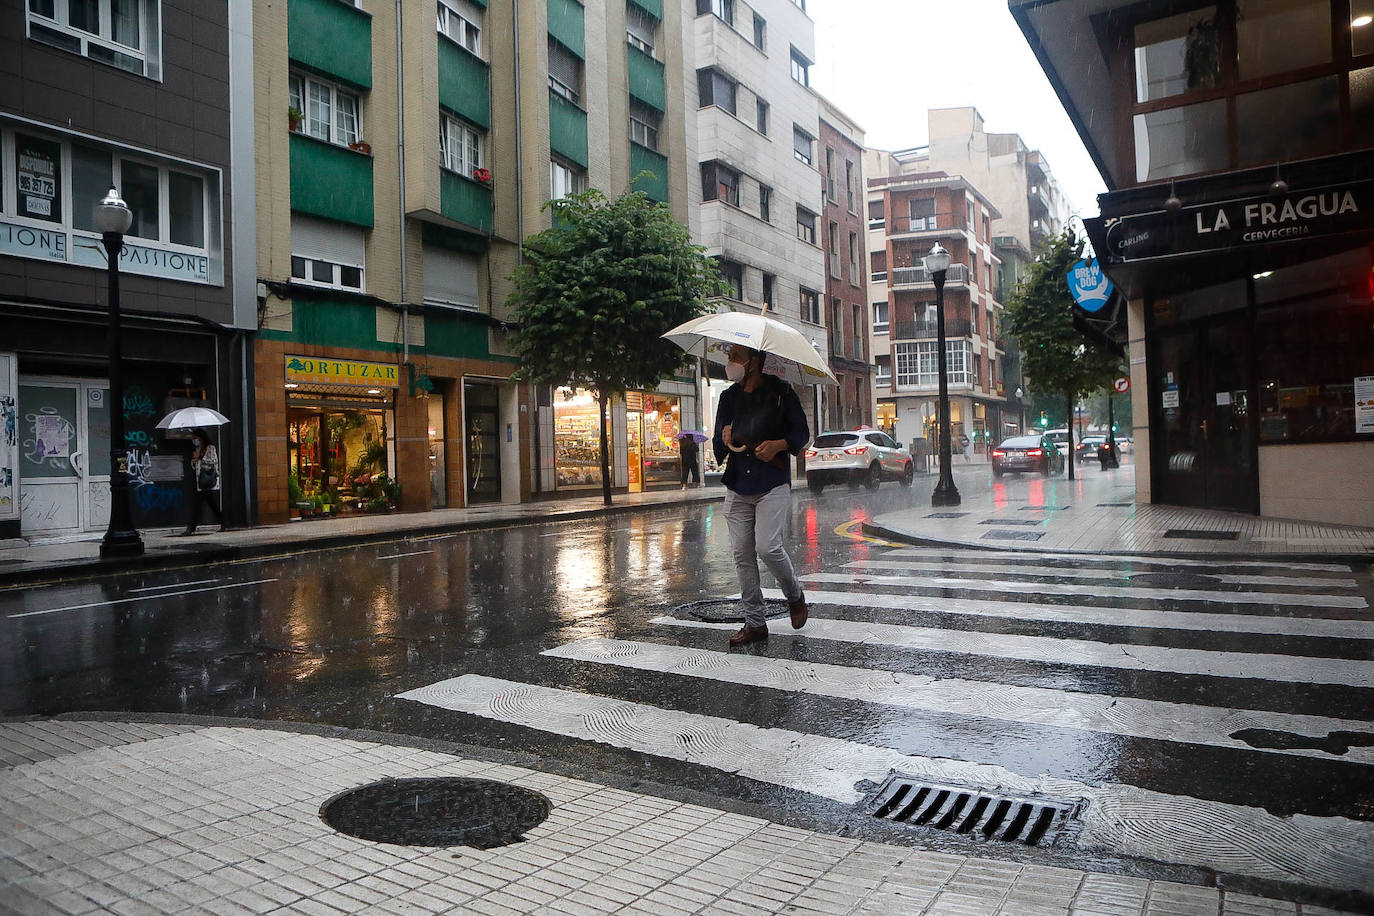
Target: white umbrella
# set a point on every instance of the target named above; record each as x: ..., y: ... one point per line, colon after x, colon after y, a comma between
x: 191, y: 418
x: 789, y: 354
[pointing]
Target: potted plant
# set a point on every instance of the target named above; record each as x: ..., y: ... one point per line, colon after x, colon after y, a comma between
x: 481, y: 176
x: 316, y: 504
x: 361, y: 146
x: 294, y: 116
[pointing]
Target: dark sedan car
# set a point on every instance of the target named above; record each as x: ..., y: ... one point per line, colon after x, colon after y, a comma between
x: 1027, y: 453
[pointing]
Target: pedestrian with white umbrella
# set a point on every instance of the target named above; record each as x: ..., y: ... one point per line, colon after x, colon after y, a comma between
x: 205, y: 467
x: 759, y: 423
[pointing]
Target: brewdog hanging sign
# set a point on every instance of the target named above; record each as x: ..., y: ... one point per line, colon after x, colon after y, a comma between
x: 1241, y: 223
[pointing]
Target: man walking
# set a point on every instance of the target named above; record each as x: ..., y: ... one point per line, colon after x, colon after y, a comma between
x: 759, y: 423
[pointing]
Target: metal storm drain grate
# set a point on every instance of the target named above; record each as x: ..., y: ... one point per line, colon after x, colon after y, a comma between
x: 1013, y: 535
x: 947, y: 515
x: 1010, y: 521
x: 1028, y: 820
x: 724, y: 610
x: 1175, y: 580
x: 444, y: 811
x: 1117, y: 505
x: 1044, y: 508
x: 1200, y: 534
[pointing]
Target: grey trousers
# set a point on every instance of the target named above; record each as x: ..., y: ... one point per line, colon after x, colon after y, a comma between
x: 756, y: 524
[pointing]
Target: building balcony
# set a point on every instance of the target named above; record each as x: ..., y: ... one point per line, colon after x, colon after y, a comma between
x: 916, y: 277
x: 465, y: 202
x: 643, y: 159
x: 1038, y: 200
x: 646, y: 78
x: 568, y: 129
x: 464, y: 83
x: 929, y: 330
x: 921, y: 227
x: 330, y: 181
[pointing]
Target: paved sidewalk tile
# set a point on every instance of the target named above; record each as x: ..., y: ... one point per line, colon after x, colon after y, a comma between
x: 117, y: 818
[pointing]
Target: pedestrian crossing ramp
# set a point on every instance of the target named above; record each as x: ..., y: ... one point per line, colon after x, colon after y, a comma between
x: 1181, y: 671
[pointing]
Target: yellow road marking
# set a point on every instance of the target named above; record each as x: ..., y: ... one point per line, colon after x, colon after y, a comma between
x: 851, y: 530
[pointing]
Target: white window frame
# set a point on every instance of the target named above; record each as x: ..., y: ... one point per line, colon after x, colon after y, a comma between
x: 800, y: 68
x: 82, y: 247
x: 336, y: 271
x: 571, y: 178
x: 646, y: 28
x: 882, y: 371
x: 571, y: 93
x: 809, y: 157
x: 918, y: 363
x: 145, y: 60
x: 329, y: 258
x: 462, y: 146
x: 809, y: 304
x: 461, y: 22
x: 641, y: 130
x: 299, y: 92
x: 881, y: 311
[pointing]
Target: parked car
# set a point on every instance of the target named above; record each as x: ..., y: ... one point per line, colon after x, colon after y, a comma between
x: 865, y: 455
x: 1027, y: 453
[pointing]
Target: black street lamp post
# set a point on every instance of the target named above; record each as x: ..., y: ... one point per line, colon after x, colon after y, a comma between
x: 112, y: 218
x: 946, y: 493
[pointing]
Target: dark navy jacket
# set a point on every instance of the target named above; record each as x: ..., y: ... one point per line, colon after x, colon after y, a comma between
x: 771, y: 411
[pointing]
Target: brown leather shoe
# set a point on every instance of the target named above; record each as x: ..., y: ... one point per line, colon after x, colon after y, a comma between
x: 797, y: 610
x: 748, y: 634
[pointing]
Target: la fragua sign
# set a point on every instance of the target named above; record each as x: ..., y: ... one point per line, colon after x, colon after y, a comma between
x: 1238, y: 223
x: 319, y: 370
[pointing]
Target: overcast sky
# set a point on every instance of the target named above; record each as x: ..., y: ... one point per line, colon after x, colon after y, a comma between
x: 885, y: 62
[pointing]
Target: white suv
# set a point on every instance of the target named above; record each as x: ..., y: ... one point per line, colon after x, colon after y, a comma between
x: 863, y: 455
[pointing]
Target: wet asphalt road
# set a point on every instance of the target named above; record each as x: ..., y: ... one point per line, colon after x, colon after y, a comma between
x: 331, y: 637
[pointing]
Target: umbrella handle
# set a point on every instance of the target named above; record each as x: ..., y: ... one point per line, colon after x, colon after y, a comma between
x: 731, y: 447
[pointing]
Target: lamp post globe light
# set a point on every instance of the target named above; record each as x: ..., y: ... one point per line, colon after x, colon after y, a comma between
x: 112, y: 218
x: 936, y: 263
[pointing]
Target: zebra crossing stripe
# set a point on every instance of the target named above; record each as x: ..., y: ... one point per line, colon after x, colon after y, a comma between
x: 1089, y: 614
x: 1135, y: 559
x: 1233, y: 839
x: 1050, y: 571
x: 1038, y: 706
x: 1286, y: 599
x: 1048, y: 650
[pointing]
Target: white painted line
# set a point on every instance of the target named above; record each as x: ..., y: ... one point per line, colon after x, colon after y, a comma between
x: 1327, y: 851
x: 397, y: 556
x: 1218, y: 562
x: 1284, y: 599
x: 1038, y: 706
x: 1289, y: 668
x: 1092, y: 614
x: 154, y: 588
x: 1056, y: 572
x: 191, y: 591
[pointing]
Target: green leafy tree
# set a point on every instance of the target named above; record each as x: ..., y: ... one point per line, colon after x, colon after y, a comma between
x: 1056, y: 358
x: 595, y: 291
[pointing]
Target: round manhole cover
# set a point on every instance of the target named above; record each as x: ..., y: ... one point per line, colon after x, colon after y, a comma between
x: 724, y: 610
x: 444, y: 811
x: 1175, y: 580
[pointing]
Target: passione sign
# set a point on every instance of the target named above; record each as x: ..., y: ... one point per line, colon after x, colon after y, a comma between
x: 1239, y: 223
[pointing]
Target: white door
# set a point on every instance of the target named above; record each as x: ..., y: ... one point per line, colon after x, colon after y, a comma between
x: 64, y: 461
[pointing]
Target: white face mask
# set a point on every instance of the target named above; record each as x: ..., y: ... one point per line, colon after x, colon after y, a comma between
x: 734, y: 371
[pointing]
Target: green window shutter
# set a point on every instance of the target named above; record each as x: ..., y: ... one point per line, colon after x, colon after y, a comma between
x: 567, y: 23
x: 652, y: 7
x: 567, y: 129
x: 646, y: 78
x: 464, y: 83
x: 330, y: 181
x: 331, y: 38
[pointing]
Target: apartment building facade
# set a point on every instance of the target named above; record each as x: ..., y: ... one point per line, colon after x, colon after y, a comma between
x: 406, y: 152
x: 149, y: 97
x: 1022, y: 187
x: 845, y: 240
x: 909, y: 210
x: 758, y: 129
x: 1237, y: 141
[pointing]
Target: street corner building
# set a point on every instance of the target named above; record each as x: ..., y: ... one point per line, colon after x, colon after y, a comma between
x: 404, y: 154
x: 141, y: 96
x: 1237, y: 141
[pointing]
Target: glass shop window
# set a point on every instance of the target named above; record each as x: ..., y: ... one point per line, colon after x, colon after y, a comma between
x: 1314, y: 343
x: 1274, y: 36
x: 1177, y: 54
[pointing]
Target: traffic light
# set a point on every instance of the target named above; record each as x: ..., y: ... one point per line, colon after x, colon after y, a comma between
x: 1044, y: 420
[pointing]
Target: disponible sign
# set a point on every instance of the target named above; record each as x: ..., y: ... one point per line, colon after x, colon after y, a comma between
x: 1239, y: 223
x: 315, y: 371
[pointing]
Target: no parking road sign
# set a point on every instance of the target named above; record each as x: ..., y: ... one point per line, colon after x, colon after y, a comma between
x: 1122, y: 385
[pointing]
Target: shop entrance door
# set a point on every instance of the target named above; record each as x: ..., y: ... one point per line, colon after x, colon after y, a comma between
x: 1206, y: 450
x: 64, y: 460
x: 481, y: 406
